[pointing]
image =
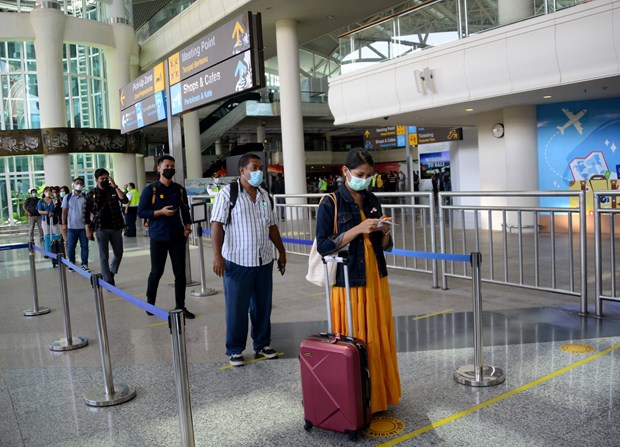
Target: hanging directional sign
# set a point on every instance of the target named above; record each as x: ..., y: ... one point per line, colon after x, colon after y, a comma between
x: 232, y: 76
x: 144, y: 113
x: 228, y: 40
x: 143, y: 86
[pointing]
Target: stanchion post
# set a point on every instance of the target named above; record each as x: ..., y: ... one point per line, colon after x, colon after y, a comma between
x: 478, y: 374
x: 111, y: 395
x: 204, y: 291
x: 189, y: 282
x: 69, y: 342
x: 176, y: 321
x: 36, y: 310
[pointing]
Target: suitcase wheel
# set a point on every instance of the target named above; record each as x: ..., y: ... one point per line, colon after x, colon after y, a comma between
x: 353, y: 435
x: 308, y: 425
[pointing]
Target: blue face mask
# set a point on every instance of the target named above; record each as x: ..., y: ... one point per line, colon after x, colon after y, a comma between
x: 359, y: 184
x: 256, y: 178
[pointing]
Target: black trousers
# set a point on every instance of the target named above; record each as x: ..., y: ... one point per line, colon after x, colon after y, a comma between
x: 159, y: 252
x: 130, y: 221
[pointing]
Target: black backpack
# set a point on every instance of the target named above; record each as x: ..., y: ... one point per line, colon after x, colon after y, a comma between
x: 234, y: 193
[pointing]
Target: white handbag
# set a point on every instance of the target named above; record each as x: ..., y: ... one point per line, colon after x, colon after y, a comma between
x: 316, y: 270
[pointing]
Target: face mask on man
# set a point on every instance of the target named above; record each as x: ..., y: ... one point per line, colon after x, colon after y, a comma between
x: 168, y: 173
x: 105, y: 183
x: 256, y: 178
x: 55, y: 195
x: 359, y: 184
x: 77, y: 187
x: 34, y: 194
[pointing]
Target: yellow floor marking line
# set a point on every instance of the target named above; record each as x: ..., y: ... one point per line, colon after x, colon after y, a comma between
x: 497, y: 399
x: 249, y: 361
x: 432, y: 315
x: 161, y: 323
x: 114, y: 299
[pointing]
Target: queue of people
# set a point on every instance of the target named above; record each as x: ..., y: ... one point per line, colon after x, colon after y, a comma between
x: 244, y: 233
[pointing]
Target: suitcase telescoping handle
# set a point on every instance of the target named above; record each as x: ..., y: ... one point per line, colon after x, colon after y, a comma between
x: 341, y: 258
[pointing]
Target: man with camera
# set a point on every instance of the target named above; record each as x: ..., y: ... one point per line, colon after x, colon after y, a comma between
x: 103, y: 218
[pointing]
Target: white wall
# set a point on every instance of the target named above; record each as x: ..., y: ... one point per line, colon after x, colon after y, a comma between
x: 569, y: 46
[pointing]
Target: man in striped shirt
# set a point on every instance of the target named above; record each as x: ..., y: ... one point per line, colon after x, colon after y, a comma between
x: 244, y: 255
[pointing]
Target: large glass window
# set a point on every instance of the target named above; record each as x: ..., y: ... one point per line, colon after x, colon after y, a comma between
x: 85, y: 86
x: 19, y: 101
x: 19, y: 175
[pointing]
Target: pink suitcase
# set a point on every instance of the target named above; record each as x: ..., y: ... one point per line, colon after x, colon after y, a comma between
x: 335, y: 381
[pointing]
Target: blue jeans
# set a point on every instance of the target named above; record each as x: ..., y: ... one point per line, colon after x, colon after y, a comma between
x: 247, y: 289
x: 73, y: 235
x: 105, y: 238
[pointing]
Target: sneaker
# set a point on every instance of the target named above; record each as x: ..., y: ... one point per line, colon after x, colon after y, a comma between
x: 236, y: 360
x: 188, y: 314
x: 85, y: 268
x: 267, y: 352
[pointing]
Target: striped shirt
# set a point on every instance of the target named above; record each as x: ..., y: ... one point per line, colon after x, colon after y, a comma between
x: 246, y: 238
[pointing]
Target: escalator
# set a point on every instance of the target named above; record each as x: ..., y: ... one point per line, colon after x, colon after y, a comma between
x: 224, y: 113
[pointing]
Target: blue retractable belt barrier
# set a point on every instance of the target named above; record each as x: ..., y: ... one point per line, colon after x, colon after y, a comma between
x: 12, y: 247
x: 76, y: 269
x: 135, y: 301
x: 428, y: 255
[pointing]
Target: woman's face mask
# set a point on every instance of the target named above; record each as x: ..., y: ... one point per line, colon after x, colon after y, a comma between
x: 62, y: 194
x: 357, y: 183
x: 46, y: 194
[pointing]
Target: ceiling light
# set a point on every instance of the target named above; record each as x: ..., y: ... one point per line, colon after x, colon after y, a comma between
x: 330, y: 16
x: 547, y: 97
x: 469, y: 110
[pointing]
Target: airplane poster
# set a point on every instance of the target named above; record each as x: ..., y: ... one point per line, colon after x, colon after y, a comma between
x: 577, y: 141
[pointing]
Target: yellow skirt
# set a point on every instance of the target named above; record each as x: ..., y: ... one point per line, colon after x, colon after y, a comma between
x: 372, y: 322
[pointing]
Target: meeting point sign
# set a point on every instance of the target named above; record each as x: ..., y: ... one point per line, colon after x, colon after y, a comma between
x: 220, y: 64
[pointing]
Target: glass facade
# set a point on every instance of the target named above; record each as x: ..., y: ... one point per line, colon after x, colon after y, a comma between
x: 22, y: 173
x: 86, y: 106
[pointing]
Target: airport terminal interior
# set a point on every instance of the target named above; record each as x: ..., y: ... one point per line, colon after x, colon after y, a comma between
x: 561, y: 384
x: 516, y: 101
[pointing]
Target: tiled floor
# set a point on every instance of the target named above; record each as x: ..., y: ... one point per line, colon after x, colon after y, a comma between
x: 550, y: 396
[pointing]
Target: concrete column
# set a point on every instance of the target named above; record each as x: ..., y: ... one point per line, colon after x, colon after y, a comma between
x: 510, y: 11
x: 509, y: 163
x: 329, y: 145
x: 290, y: 107
x: 119, y: 66
x: 219, y: 149
x: 193, y: 152
x: 140, y: 172
x: 48, y: 24
x: 261, y: 132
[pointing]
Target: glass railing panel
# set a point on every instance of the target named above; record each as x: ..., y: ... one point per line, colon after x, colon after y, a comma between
x: 159, y: 20
x: 433, y: 24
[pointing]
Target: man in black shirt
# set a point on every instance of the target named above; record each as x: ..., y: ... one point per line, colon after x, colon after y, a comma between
x: 34, y: 218
x: 164, y: 204
x: 103, y: 204
x: 277, y: 187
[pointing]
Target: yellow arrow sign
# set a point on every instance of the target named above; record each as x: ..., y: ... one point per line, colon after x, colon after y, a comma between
x: 122, y: 99
x: 237, y: 32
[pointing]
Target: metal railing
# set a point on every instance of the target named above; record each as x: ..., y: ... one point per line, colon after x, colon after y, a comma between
x: 551, y: 237
x: 605, y: 266
x: 525, y: 245
x: 426, y: 24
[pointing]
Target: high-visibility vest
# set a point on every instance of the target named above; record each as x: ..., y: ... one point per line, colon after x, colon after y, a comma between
x: 135, y: 197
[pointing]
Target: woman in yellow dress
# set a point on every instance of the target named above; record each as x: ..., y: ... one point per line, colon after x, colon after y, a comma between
x: 365, y: 233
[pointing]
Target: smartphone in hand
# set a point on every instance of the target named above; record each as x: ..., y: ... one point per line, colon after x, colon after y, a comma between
x: 281, y: 268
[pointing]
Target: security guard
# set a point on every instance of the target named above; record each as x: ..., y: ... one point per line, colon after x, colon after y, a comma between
x: 131, y: 210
